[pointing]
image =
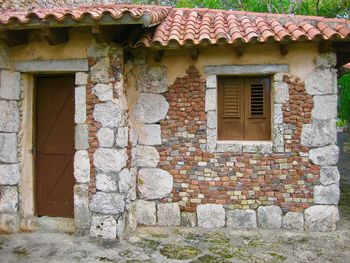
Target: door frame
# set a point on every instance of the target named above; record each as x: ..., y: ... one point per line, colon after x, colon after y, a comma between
x: 29, y: 70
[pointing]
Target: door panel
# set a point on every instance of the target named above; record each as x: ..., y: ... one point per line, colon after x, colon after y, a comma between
x: 54, y: 146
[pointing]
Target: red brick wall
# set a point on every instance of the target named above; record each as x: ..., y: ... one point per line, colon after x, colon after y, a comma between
x: 235, y: 180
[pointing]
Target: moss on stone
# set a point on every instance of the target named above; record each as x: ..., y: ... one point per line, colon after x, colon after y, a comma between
x: 139, y: 261
x: 126, y: 253
x: 210, y: 259
x: 21, y: 252
x: 226, y: 251
x: 173, y: 251
x: 216, y: 237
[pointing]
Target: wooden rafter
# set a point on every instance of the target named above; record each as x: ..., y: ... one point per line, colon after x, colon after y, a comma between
x: 56, y: 36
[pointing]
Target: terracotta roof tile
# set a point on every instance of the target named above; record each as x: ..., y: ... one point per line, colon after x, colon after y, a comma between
x: 181, y: 26
x: 13, y: 18
x: 233, y: 27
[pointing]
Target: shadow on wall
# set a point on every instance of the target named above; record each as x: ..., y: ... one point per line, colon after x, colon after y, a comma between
x: 344, y: 169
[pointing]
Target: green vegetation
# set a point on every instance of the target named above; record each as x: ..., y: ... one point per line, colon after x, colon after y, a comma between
x: 173, y: 251
x: 326, y: 8
x: 344, y: 99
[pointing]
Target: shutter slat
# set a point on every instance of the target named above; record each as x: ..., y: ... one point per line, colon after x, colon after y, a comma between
x: 231, y: 101
x: 256, y: 100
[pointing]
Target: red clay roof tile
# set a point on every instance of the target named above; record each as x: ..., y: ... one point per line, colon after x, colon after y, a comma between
x: 181, y: 26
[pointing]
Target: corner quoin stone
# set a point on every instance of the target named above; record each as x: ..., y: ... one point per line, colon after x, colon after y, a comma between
x: 211, y: 216
x: 329, y: 175
x: 321, y: 218
x: 325, y: 155
x: 146, y: 156
x: 269, y: 217
x: 327, y: 195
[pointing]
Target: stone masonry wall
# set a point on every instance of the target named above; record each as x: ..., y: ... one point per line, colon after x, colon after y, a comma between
x: 247, y: 185
x: 108, y: 138
x: 10, y: 141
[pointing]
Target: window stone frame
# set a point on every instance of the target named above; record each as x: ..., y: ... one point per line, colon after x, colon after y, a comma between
x: 279, y: 95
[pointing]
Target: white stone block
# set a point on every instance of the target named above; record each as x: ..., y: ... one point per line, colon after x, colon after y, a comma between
x: 168, y: 214
x: 9, y: 116
x: 104, y: 227
x: 108, y: 203
x: 329, y: 175
x: 327, y: 194
x: 110, y: 160
x: 9, y: 174
x: 325, y: 107
x: 293, y: 221
x: 269, y: 217
x: 321, y: 218
x: 211, y: 82
x: 10, y: 85
x: 211, y: 216
x: 107, y: 182
x: 80, y: 105
x: 122, y: 137
x: 150, y: 134
x: 104, y: 92
x: 145, y: 212
x: 109, y: 114
x: 154, y: 183
x: 146, y: 156
x: 105, y: 137
x: 8, y: 147
x: 241, y: 219
x: 82, y: 167
x: 325, y: 155
x: 210, y: 100
x: 150, y: 108
x: 81, y: 78
x: 8, y: 199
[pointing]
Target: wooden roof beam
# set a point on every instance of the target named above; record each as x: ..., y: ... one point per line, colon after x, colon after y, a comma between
x: 15, y: 38
x: 56, y: 36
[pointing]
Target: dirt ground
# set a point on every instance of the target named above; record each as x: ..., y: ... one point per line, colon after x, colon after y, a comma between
x: 154, y: 244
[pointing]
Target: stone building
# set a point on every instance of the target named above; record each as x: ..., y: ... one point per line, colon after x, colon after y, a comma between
x: 114, y: 116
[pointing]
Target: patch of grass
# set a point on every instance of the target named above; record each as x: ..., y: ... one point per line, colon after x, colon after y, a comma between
x: 148, y: 244
x: 226, y: 251
x: 126, y: 253
x: 216, y: 237
x: 139, y: 261
x: 277, y: 257
x: 21, y: 252
x: 158, y: 235
x: 173, y: 251
x: 210, y: 259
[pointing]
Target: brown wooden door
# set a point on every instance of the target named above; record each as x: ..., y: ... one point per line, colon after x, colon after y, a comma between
x: 54, y: 146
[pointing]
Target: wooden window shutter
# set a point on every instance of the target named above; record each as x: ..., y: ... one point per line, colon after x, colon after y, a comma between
x: 244, y: 108
x: 230, y: 109
x: 258, y: 109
